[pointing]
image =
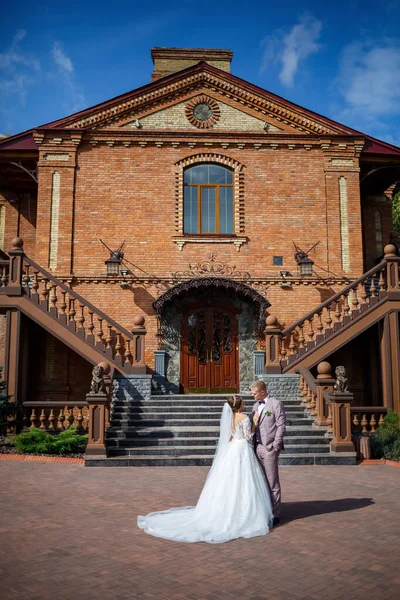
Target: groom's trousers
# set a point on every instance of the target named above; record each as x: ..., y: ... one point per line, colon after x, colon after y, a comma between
x: 269, y: 462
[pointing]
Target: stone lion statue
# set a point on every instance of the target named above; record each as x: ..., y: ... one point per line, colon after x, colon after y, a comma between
x: 97, y: 385
x: 341, y: 383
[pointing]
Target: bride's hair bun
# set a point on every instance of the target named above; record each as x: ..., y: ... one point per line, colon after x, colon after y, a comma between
x: 235, y: 402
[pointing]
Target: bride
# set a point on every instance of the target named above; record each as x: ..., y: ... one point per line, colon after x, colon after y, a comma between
x: 235, y: 499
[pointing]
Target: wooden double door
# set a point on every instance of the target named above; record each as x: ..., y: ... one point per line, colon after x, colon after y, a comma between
x: 209, y: 350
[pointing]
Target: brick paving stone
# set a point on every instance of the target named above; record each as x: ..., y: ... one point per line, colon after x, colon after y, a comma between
x: 71, y: 533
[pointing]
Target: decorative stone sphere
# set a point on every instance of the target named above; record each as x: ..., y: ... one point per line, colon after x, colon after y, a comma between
x: 17, y: 243
x: 271, y: 321
x: 106, y: 366
x: 390, y: 250
x: 324, y: 370
x: 139, y: 321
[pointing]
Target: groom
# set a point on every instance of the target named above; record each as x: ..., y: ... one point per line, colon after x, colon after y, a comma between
x: 269, y: 419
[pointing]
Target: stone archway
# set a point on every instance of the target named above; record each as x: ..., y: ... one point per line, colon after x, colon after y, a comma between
x: 209, y: 329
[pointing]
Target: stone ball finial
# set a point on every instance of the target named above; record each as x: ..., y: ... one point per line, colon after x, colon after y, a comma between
x: 324, y: 370
x: 139, y: 321
x: 17, y: 243
x: 390, y: 251
x: 106, y: 366
x: 271, y: 322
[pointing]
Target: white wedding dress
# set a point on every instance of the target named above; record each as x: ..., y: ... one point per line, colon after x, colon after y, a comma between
x: 235, y: 499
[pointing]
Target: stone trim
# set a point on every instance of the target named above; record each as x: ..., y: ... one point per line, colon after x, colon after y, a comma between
x: 238, y: 193
x: 344, y: 224
x: 54, y: 218
x: 2, y: 225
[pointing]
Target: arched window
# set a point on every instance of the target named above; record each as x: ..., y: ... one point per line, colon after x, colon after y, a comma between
x: 208, y: 200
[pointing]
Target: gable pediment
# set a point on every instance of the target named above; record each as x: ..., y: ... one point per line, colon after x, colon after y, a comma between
x: 164, y: 94
x: 179, y: 116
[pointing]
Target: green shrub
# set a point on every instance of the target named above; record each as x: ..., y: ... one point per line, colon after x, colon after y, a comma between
x: 36, y: 441
x: 385, y: 442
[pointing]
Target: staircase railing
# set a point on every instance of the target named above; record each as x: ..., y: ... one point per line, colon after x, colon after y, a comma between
x: 21, y: 276
x: 347, y: 426
x: 377, y: 285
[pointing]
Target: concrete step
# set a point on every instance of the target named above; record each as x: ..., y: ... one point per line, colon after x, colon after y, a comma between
x: 197, y: 421
x: 206, y: 460
x: 186, y: 410
x: 200, y: 450
x: 195, y: 431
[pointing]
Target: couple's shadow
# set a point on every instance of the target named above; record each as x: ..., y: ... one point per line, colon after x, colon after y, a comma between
x: 291, y: 511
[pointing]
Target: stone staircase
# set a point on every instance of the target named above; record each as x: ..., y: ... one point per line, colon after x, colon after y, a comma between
x: 182, y: 430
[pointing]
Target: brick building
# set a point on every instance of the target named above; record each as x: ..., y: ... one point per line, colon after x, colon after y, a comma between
x: 221, y: 196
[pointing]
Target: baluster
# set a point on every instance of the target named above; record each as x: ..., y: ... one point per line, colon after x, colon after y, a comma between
x: 338, y: 313
x: 314, y: 411
x: 346, y: 307
x: 354, y: 299
x: 35, y: 286
x: 292, y: 345
x: 51, y: 420
x: 42, y: 420
x: 373, y: 287
x: 3, y: 276
x: 128, y: 358
x: 309, y: 398
x: 61, y: 419
x: 301, y: 337
x: 81, y: 319
x: 33, y: 418
x: 90, y: 336
x: 79, y: 419
x: 119, y: 350
x: 63, y: 316
x: 356, y: 421
x: 53, y: 299
x: 381, y: 283
x: 100, y: 333
x: 364, y: 423
x: 364, y: 295
x: 373, y: 423
x: 381, y: 420
x: 108, y: 350
x: 320, y: 326
x: 329, y: 422
x: 283, y: 349
x: 71, y: 314
x: 70, y: 417
x: 304, y: 395
x: 328, y: 320
x: 45, y: 291
x: 310, y: 332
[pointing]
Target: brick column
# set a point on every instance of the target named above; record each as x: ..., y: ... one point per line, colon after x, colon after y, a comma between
x: 97, y: 424
x: 56, y: 188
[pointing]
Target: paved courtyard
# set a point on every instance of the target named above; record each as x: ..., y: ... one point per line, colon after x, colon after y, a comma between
x: 69, y: 533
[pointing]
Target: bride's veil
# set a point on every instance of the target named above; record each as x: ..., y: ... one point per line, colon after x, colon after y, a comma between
x: 225, y: 434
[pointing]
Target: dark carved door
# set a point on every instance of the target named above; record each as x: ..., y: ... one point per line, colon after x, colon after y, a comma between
x: 209, y: 351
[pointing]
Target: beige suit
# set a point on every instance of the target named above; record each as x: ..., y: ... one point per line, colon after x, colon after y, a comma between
x: 270, y: 430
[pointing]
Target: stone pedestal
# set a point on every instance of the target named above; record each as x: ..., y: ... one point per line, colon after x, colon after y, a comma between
x: 341, y: 422
x: 98, y: 404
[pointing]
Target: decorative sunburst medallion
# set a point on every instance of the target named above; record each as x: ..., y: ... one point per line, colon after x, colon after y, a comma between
x: 202, y: 112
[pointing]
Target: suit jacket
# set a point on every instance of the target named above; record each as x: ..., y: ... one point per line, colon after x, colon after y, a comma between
x: 273, y: 426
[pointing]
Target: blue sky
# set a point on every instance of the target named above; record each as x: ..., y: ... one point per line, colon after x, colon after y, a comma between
x: 341, y: 59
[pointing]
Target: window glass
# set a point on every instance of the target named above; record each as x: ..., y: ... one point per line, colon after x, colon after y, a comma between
x: 208, y: 210
x: 190, y: 220
x: 203, y: 174
x: 225, y: 210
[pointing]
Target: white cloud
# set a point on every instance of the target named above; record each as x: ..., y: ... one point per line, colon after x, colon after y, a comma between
x: 369, y: 83
x: 61, y: 59
x: 76, y: 100
x: 290, y: 49
x: 369, y: 79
